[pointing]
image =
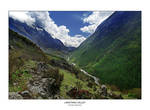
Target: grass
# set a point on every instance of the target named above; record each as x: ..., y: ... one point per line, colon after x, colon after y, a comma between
x: 71, y: 80
x: 21, y: 76
x: 19, y: 80
x: 30, y: 64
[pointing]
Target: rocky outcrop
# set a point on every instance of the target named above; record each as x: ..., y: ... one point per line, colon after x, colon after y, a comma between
x: 15, y: 95
x: 65, y: 65
x: 26, y: 94
x: 42, y: 67
x: 103, y: 90
x: 41, y: 87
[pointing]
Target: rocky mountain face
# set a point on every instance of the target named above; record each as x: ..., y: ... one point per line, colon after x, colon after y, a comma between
x: 37, y: 35
x: 113, y: 51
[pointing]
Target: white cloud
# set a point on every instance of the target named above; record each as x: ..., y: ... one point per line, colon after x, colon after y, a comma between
x: 94, y: 19
x: 43, y: 19
x: 22, y: 17
x: 74, y: 41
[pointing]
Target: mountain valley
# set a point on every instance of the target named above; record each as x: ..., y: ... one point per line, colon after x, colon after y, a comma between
x: 107, y: 65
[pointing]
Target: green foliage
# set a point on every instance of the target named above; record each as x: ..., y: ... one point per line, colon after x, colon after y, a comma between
x: 25, y: 48
x: 132, y: 95
x: 114, y: 57
x: 18, y: 80
x: 70, y: 80
x: 13, y: 35
x: 57, y: 76
x: 78, y: 85
x: 79, y: 94
x: 64, y: 65
x: 15, y: 62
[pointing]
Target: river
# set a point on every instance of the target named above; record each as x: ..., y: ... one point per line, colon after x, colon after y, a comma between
x: 86, y: 73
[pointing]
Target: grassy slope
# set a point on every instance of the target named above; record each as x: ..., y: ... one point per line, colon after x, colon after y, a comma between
x: 70, y: 80
x: 116, y: 57
x: 23, y: 55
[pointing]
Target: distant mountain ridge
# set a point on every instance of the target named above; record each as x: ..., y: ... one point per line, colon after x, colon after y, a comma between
x: 113, y: 51
x: 38, y: 35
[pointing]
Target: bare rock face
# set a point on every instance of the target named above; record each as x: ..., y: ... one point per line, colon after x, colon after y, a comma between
x: 15, y: 95
x: 41, y: 87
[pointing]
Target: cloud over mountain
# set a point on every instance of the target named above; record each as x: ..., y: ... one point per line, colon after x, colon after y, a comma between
x: 94, y: 19
x: 22, y: 16
x: 42, y: 19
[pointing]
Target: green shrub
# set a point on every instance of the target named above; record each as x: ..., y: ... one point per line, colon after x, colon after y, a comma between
x: 54, y: 73
x: 78, y: 85
x: 132, y: 95
x: 20, y: 77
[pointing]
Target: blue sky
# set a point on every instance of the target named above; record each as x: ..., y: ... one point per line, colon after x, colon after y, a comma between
x: 73, y: 20
x: 70, y: 27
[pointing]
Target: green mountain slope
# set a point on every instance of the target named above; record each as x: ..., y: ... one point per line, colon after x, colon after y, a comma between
x: 21, y: 50
x: 28, y: 63
x: 113, y: 52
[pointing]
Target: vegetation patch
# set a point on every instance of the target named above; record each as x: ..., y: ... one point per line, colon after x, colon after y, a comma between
x: 19, y: 81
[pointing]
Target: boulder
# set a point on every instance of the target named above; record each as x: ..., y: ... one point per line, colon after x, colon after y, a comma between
x: 42, y: 67
x: 11, y: 47
x: 103, y: 90
x: 15, y: 95
x: 56, y: 97
x: 42, y: 87
x: 26, y: 94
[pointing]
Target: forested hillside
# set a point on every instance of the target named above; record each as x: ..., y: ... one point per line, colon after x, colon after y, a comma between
x: 113, y: 52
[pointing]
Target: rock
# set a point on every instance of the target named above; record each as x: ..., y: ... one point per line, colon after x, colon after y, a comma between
x: 41, y: 67
x: 32, y: 71
x: 103, y: 90
x: 11, y: 47
x: 15, y: 95
x: 56, y: 97
x: 41, y: 87
x: 26, y: 95
x: 36, y: 83
x: 14, y: 84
